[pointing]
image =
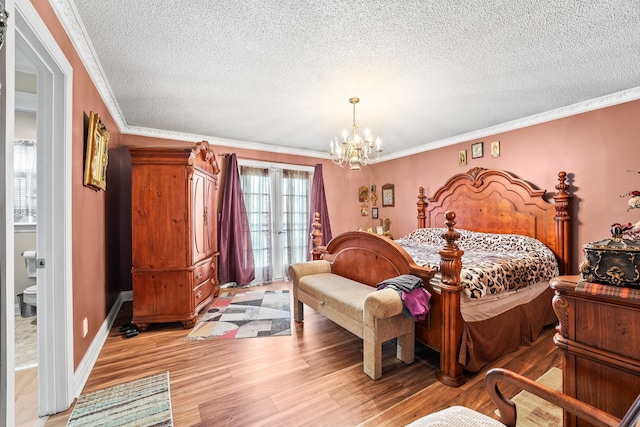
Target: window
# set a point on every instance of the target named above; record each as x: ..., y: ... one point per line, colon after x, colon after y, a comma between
x: 277, y: 199
x: 25, y: 189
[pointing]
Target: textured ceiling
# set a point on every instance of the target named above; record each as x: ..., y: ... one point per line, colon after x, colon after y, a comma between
x: 280, y: 72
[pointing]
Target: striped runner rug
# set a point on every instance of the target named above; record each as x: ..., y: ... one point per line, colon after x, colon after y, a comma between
x: 139, y: 403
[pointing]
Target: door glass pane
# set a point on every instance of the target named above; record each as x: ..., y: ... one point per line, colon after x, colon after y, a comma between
x: 256, y: 187
x: 277, y: 202
x: 295, y: 215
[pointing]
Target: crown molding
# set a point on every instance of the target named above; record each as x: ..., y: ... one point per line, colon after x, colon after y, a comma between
x: 621, y: 97
x: 67, y: 13
x: 70, y: 19
x: 224, y: 142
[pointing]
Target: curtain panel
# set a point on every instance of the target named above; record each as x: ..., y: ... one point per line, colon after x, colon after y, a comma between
x: 318, y: 204
x: 236, y: 251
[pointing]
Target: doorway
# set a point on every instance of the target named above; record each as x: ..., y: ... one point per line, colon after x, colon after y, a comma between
x: 29, y: 35
x: 25, y: 211
x: 277, y: 198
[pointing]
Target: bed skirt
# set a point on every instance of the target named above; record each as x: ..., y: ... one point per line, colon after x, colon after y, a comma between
x: 484, y: 341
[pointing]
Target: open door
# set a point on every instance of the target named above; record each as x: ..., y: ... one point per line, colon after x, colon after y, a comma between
x: 7, y: 88
x: 27, y: 32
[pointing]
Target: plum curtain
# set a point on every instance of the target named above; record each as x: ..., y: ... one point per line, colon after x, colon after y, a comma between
x: 318, y: 204
x: 236, y: 252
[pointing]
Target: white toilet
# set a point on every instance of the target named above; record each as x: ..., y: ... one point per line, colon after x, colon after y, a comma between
x: 30, y: 295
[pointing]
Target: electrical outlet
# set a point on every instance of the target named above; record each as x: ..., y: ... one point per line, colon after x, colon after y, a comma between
x: 85, y: 327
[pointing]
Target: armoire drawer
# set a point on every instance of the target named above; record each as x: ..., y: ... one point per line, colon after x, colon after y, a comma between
x: 202, y: 272
x: 202, y: 292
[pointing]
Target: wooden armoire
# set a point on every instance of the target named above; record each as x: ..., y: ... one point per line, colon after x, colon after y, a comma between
x: 174, y: 233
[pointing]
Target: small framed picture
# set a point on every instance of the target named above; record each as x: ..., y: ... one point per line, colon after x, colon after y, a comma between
x: 462, y: 158
x: 363, y: 194
x: 388, y: 198
x: 374, y: 213
x: 379, y: 230
x: 477, y: 150
x: 495, y: 149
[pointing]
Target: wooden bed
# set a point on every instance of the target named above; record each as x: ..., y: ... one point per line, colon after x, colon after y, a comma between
x: 484, y: 200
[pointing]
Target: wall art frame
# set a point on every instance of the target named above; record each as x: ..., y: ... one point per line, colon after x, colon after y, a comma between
x: 374, y: 213
x: 462, y: 158
x: 96, y: 153
x: 388, y: 195
x: 477, y: 150
x: 363, y: 193
x: 495, y: 149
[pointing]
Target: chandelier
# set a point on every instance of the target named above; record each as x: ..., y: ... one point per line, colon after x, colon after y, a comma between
x: 354, y: 149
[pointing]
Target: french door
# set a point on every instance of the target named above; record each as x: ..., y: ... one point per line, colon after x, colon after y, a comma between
x: 277, y: 199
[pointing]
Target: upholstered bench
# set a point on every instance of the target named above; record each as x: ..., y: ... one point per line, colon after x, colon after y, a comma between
x: 374, y: 316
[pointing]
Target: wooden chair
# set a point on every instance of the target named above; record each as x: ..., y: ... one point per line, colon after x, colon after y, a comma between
x: 462, y: 416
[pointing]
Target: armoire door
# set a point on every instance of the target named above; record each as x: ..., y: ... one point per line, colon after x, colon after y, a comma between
x: 199, y: 216
x: 210, y: 232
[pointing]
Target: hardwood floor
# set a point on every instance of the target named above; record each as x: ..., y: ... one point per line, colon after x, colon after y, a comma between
x: 26, y: 397
x: 312, y: 378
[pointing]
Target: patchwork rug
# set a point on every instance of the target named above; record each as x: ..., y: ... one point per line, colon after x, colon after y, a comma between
x: 535, y: 411
x: 140, y: 403
x: 245, y: 315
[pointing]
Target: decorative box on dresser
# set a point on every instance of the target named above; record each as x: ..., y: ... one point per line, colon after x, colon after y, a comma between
x: 599, y: 336
x: 174, y: 233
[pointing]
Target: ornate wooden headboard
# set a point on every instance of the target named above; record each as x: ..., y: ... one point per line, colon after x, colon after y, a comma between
x: 495, y: 201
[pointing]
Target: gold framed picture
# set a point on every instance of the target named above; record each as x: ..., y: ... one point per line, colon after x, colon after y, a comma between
x: 462, y: 158
x: 363, y: 194
x: 477, y: 150
x: 495, y: 149
x: 96, y: 154
x: 388, y: 197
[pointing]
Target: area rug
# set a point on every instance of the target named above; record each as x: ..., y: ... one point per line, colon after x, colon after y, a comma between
x: 245, y: 315
x: 140, y: 403
x: 535, y: 411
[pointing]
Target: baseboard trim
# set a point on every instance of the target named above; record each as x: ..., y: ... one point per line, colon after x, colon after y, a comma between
x: 81, y: 375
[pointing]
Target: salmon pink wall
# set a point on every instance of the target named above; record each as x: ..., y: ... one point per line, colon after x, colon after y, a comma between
x: 595, y: 148
x: 92, y: 296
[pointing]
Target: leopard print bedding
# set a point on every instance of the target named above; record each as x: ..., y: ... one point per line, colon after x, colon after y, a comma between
x: 491, y: 264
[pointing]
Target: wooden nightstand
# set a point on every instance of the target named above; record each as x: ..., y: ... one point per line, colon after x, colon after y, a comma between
x: 599, y: 335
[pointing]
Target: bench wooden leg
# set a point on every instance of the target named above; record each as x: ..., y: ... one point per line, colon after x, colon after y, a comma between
x: 298, y: 311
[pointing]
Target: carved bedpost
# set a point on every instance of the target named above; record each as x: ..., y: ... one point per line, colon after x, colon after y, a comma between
x: 563, y: 222
x: 316, y: 237
x: 422, y: 206
x: 450, y: 372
